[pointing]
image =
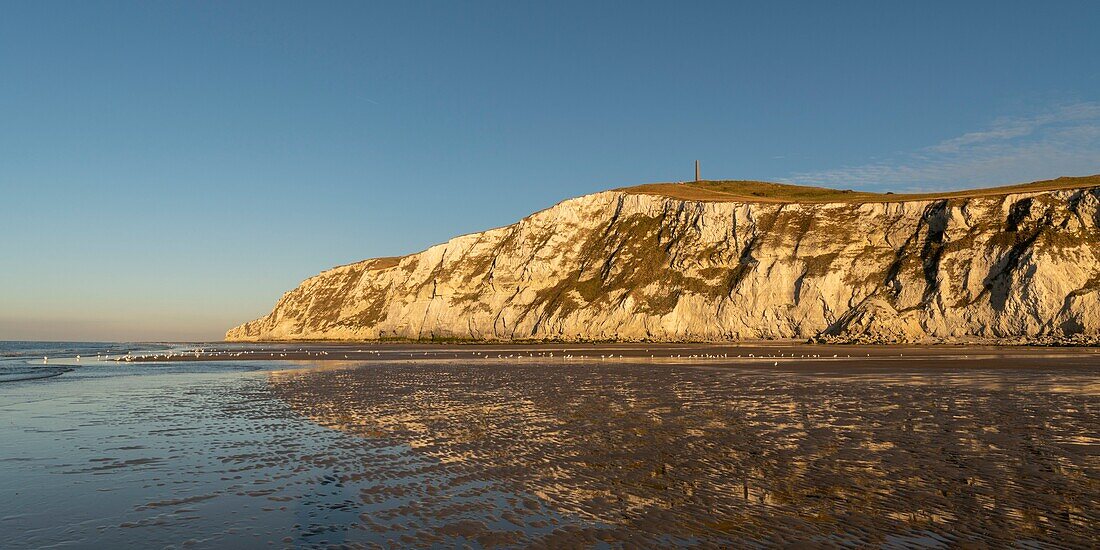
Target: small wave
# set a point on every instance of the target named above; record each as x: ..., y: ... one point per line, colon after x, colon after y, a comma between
x: 17, y: 374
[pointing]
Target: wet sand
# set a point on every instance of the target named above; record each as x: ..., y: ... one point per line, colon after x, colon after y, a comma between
x: 658, y: 454
x: 490, y: 446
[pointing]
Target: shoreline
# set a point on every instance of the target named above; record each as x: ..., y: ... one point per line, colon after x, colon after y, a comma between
x: 1075, y: 341
x: 772, y: 355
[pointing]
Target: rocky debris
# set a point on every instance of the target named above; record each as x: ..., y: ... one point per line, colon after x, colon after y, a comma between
x: 1075, y: 340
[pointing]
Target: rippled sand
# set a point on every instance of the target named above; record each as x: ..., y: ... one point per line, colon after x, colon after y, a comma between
x: 538, y: 452
x: 658, y: 454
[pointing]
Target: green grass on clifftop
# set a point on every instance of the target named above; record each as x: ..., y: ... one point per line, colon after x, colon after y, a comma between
x: 761, y: 191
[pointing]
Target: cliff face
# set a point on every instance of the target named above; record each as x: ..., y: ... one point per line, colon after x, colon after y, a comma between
x: 630, y: 266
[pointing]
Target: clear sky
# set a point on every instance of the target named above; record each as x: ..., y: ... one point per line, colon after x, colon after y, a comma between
x: 168, y: 170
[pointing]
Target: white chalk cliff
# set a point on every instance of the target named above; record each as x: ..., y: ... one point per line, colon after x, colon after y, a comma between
x: 642, y: 264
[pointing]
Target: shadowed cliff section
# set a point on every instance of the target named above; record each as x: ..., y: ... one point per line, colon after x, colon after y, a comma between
x: 729, y: 260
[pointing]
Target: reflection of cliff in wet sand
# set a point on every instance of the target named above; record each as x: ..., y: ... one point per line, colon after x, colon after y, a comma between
x: 659, y: 454
x: 734, y: 260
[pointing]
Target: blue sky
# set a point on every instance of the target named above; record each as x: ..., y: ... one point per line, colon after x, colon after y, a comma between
x: 167, y: 170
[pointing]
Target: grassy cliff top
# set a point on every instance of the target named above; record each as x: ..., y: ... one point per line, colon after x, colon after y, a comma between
x: 762, y: 191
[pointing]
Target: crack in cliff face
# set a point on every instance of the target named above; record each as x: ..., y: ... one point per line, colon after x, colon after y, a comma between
x: 932, y: 252
x: 432, y: 280
x: 747, y: 262
x: 997, y: 283
x: 626, y: 266
x: 1000, y: 277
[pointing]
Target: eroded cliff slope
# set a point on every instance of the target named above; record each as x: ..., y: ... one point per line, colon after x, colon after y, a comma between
x: 733, y: 260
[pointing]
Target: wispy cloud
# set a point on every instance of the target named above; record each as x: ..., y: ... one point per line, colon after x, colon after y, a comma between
x: 1061, y: 140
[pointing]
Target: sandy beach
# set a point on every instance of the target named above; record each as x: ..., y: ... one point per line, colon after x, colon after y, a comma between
x: 490, y: 446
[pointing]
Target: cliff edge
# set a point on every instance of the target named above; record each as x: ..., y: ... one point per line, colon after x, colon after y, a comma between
x: 733, y: 260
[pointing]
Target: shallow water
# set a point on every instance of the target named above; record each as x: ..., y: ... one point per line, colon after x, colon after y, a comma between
x: 546, y: 453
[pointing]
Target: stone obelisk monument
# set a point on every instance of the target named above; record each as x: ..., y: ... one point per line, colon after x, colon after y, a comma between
x: 697, y: 171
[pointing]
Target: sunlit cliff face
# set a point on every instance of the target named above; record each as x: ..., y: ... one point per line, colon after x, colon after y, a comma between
x: 698, y: 454
x: 622, y: 266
